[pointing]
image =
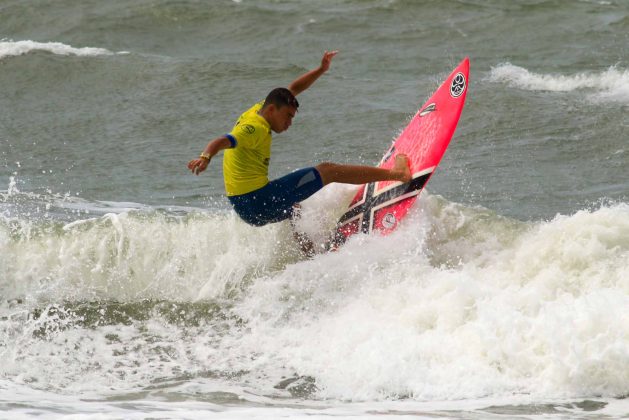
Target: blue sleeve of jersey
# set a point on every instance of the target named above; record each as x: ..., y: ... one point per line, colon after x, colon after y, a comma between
x: 232, y: 140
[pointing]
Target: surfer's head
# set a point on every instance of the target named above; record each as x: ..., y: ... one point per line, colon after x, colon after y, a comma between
x: 279, y: 108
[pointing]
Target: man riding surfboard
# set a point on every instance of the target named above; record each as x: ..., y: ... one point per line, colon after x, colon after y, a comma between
x: 247, y: 147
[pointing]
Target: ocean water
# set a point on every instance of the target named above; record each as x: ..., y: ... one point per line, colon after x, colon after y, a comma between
x: 130, y: 290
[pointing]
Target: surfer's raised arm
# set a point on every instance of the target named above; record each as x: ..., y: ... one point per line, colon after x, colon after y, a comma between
x: 306, y: 80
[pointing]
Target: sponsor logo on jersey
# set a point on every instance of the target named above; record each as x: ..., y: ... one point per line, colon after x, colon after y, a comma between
x: 248, y: 128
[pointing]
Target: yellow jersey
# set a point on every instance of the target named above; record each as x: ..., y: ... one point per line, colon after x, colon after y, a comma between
x: 246, y: 164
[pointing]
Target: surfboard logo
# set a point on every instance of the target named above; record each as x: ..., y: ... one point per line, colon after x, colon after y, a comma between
x: 428, y: 110
x: 389, y: 221
x: 457, y: 87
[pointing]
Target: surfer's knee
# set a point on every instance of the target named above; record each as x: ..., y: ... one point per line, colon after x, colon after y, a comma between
x: 326, y: 166
x: 326, y: 171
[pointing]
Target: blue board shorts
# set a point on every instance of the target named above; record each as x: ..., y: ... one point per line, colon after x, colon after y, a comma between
x: 274, y: 202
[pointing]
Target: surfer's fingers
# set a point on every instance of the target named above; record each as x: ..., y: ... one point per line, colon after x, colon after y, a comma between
x: 327, y: 58
x: 329, y: 55
x: 195, y: 166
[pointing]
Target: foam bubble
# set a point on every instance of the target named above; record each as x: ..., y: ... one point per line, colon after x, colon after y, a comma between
x: 12, y: 186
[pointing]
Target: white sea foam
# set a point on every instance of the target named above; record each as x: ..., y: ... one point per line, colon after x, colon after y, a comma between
x: 28, y: 403
x: 543, y: 313
x: 128, y: 256
x: 459, y: 303
x: 609, y: 85
x: 15, y: 48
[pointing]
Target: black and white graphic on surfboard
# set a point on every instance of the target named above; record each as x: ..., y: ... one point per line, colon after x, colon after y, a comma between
x: 373, y: 200
x: 457, y: 87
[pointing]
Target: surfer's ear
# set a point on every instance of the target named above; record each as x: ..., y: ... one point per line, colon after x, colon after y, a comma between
x: 270, y: 108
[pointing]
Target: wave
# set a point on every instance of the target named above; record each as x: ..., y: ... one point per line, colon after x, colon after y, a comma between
x: 129, y: 252
x: 131, y: 256
x: 469, y: 305
x: 609, y: 85
x: 459, y: 303
x: 16, y: 48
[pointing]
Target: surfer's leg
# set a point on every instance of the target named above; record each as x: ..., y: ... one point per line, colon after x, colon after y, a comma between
x: 352, y: 174
x: 274, y: 202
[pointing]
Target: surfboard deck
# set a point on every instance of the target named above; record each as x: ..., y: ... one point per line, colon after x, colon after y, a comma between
x: 380, y: 206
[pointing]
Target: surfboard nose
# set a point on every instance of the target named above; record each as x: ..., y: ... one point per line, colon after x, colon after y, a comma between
x: 465, y: 64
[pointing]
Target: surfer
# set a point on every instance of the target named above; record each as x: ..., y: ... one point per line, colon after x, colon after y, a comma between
x: 248, y: 151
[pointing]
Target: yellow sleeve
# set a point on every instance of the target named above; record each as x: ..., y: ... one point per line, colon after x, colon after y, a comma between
x: 247, y: 135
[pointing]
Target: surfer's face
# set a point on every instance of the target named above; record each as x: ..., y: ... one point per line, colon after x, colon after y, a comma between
x: 281, y: 118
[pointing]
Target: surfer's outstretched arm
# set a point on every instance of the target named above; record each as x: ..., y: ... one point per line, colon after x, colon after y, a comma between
x: 306, y: 80
x: 213, y: 147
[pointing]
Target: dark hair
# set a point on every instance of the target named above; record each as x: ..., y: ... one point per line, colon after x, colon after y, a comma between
x: 281, y: 97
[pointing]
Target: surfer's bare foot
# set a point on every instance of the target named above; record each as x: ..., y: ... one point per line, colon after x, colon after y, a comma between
x: 400, y: 169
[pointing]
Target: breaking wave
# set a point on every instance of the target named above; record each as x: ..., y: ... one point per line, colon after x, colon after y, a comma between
x: 609, y: 85
x: 16, y: 48
x: 459, y: 303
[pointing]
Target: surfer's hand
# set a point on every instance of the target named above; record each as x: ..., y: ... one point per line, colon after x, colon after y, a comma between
x: 197, y: 166
x: 327, y: 59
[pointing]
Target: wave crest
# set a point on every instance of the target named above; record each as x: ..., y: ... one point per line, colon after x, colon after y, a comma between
x: 17, y: 48
x: 611, y: 84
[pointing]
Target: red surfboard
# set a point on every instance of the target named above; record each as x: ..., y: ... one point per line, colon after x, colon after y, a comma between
x: 380, y: 206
